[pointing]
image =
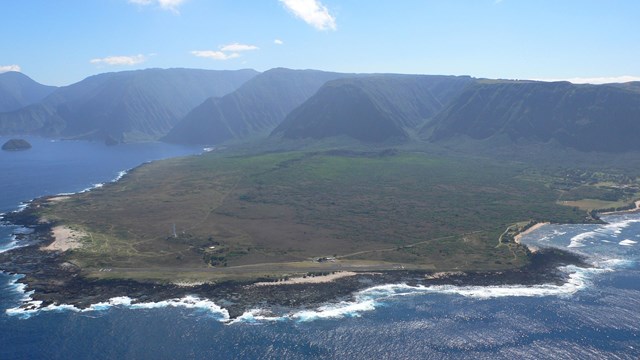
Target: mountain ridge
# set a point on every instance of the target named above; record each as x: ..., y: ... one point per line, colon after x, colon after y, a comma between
x: 371, y: 108
x: 256, y: 107
x: 17, y: 90
x: 129, y: 105
x: 584, y: 117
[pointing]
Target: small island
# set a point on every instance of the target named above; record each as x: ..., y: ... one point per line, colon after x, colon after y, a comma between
x: 16, y: 145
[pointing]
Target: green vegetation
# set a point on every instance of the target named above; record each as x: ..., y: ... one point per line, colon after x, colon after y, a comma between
x: 371, y: 108
x: 275, y: 213
x: 588, y: 118
x: 257, y: 106
x: 590, y: 190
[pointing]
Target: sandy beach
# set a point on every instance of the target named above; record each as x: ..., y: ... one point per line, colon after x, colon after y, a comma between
x: 309, y: 279
x: 55, y: 199
x: 65, y: 239
x: 529, y: 230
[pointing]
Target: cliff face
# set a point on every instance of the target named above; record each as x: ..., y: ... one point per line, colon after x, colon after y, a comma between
x: 257, y: 106
x: 583, y: 117
x: 371, y: 108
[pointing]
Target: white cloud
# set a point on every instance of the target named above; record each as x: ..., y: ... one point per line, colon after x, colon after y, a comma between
x: 120, y: 60
x: 216, y: 55
x: 171, y: 5
x: 235, y: 47
x: 278, y: 42
x: 227, y: 52
x: 597, y: 80
x: 312, y: 12
x: 7, y: 68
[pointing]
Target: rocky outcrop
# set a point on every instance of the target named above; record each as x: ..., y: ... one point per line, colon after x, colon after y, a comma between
x: 16, y: 144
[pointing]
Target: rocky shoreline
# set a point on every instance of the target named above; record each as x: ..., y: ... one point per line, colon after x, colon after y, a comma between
x: 55, y: 281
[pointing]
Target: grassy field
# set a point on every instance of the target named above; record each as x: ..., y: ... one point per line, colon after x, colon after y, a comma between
x: 274, y: 213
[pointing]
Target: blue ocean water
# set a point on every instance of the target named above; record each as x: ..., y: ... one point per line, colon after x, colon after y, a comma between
x: 595, y: 315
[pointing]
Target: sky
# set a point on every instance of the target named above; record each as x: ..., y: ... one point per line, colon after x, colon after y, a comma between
x: 64, y: 41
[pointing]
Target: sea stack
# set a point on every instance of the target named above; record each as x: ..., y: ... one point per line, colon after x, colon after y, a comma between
x: 16, y: 144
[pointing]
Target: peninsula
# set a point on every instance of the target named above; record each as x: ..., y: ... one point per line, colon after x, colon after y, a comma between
x: 214, y: 224
x: 369, y: 178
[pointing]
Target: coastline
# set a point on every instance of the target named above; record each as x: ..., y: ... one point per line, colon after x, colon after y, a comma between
x: 64, y: 239
x: 615, y: 212
x: 320, y: 279
x: 51, y: 280
x: 529, y: 230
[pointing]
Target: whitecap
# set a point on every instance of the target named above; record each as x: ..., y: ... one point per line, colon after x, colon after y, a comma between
x: 335, y: 311
x: 120, y: 175
x: 254, y: 316
x: 188, y: 302
x: 366, y: 300
x: 627, y: 242
x: 577, y: 241
x: 613, y: 264
x: 18, y: 287
x: 12, y: 244
x: 32, y: 307
x: 371, y: 298
x: 612, y: 229
x: 22, y: 206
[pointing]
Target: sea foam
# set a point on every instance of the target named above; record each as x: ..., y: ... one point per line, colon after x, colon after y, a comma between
x: 366, y: 300
x: 10, y: 245
x: 32, y: 307
x: 12, y: 242
x: 371, y: 298
x: 609, y: 230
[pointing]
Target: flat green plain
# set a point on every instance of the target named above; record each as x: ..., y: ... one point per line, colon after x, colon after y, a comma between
x: 273, y: 214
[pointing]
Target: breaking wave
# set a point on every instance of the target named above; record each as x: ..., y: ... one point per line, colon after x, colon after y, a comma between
x: 33, y: 307
x: 627, y: 242
x: 605, y: 231
x: 10, y: 245
x: 366, y: 300
x: 12, y: 241
x: 371, y: 298
x: 577, y: 279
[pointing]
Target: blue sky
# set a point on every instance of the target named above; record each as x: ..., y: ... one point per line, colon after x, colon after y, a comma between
x: 61, y: 42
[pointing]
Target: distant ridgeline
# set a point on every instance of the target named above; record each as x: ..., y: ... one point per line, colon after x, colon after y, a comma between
x: 122, y: 106
x: 18, y: 90
x: 210, y: 107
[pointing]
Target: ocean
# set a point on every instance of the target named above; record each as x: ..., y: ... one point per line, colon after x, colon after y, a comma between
x: 594, y: 315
